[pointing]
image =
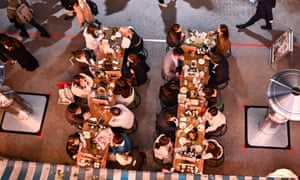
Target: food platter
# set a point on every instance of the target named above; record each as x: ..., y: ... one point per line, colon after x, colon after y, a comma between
x: 201, y: 61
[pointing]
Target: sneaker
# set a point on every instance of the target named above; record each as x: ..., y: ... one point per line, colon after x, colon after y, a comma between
x: 266, y: 27
x: 24, y: 35
x: 240, y: 26
x: 162, y: 5
x: 45, y: 34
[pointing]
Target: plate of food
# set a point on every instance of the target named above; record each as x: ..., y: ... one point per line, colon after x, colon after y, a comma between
x: 201, y: 61
x: 198, y: 148
x: 183, y: 90
x: 182, y: 141
x: 201, y: 127
x: 182, y: 125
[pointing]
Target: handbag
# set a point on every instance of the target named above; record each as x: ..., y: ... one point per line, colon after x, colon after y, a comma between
x: 65, y: 96
x: 23, y: 12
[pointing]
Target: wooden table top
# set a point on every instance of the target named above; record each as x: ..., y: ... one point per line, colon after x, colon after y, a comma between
x: 191, y: 107
x: 111, y: 54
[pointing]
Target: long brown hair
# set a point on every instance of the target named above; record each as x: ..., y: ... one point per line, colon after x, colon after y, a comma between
x: 225, y: 31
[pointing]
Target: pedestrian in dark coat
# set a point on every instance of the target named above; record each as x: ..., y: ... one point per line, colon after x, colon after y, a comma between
x: 21, y: 23
x: 17, y: 51
x: 263, y: 10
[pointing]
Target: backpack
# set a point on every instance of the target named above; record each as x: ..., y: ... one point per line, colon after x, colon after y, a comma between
x: 93, y: 6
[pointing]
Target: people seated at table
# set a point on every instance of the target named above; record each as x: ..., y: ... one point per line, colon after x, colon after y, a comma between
x: 135, y: 69
x: 74, y: 143
x: 83, y: 60
x: 134, y: 160
x: 92, y: 36
x: 223, y: 43
x: 81, y: 86
x: 215, y: 120
x: 218, y: 70
x: 172, y: 63
x: 163, y: 149
x: 122, y: 118
x: 166, y: 122
x: 120, y: 143
x: 212, y: 149
x: 213, y: 97
x: 175, y: 36
x: 168, y: 94
x: 76, y: 114
x: 132, y: 41
x: 124, y: 93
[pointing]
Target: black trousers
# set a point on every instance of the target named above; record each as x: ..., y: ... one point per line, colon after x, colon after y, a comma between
x: 23, y: 29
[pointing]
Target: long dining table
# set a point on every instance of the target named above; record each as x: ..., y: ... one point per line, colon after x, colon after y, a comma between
x: 188, y: 147
x: 106, y: 70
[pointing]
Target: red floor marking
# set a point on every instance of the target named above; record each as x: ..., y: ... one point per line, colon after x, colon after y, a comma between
x: 291, y: 150
x: 245, y: 44
x: 50, y: 94
x: 244, y: 147
x: 244, y: 105
x: 40, y: 136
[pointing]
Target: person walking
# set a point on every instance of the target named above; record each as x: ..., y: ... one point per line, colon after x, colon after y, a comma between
x: 20, y: 22
x: 15, y: 50
x: 263, y: 10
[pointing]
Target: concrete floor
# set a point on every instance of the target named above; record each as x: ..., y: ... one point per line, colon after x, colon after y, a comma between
x: 249, y: 73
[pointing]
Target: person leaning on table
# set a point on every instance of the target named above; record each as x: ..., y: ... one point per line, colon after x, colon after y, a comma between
x: 122, y: 118
x: 172, y: 63
x: 76, y: 114
x: 163, y: 149
x: 82, y: 85
x: 120, y: 143
x: 215, y: 120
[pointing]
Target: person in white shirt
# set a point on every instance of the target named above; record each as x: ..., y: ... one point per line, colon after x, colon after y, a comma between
x: 215, y: 120
x: 163, y: 149
x: 122, y: 117
x: 123, y: 92
x: 172, y: 63
x: 92, y: 36
x: 82, y: 85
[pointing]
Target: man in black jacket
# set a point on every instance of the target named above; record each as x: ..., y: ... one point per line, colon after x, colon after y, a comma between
x: 263, y: 10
